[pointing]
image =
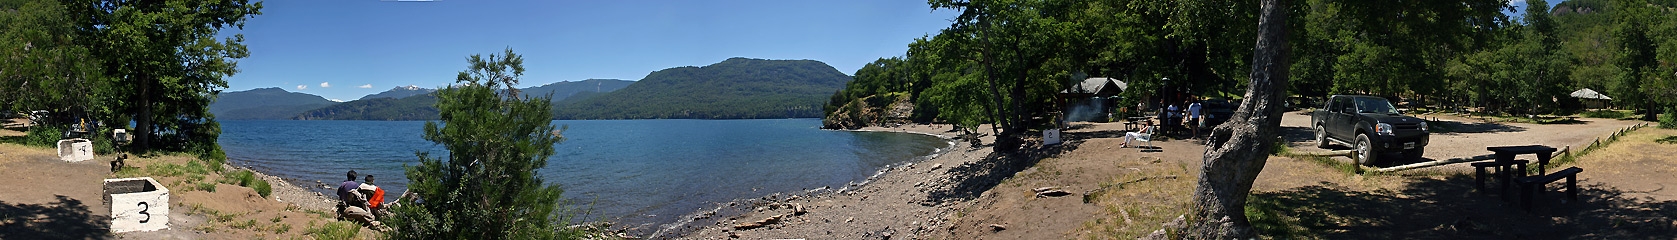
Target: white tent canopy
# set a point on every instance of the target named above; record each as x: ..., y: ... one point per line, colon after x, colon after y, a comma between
x: 1589, y: 94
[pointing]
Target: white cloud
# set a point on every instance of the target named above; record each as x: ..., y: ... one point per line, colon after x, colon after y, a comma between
x: 301, y: 87
x: 325, y: 85
x: 365, y: 86
x: 336, y: 100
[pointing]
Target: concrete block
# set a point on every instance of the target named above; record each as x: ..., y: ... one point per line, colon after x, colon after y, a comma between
x: 137, y: 204
x: 75, y: 150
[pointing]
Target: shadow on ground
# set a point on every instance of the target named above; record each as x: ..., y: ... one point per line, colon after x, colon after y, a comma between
x: 1446, y: 127
x: 969, y: 180
x: 1448, y: 207
x: 66, y: 219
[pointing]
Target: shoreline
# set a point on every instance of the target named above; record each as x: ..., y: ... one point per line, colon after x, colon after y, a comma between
x: 699, y: 219
x: 854, y: 211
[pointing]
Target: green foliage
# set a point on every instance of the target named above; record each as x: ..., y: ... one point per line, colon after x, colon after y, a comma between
x: 43, y: 136
x: 737, y: 88
x: 1669, y: 119
x: 164, y: 62
x: 205, y: 186
x: 335, y: 230
x: 47, y: 65
x: 486, y: 187
x: 262, y: 188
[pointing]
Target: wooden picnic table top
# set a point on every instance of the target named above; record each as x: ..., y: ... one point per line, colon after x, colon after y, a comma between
x: 1521, y: 149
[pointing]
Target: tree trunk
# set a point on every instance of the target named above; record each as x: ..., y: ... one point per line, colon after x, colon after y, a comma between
x: 1237, y: 150
x: 1653, y: 110
x: 143, y: 129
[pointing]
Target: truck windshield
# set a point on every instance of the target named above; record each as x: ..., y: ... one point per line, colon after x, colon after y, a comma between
x: 1375, y: 105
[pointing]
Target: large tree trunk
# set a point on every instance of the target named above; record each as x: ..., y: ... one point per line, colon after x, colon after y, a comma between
x: 143, y: 129
x: 1237, y: 150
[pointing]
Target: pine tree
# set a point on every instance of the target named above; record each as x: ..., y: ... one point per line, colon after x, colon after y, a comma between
x: 486, y: 186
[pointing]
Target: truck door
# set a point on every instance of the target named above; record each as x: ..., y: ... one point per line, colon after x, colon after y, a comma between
x: 1341, y: 123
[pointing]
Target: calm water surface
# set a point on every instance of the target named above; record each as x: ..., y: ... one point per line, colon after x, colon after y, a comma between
x: 633, y: 171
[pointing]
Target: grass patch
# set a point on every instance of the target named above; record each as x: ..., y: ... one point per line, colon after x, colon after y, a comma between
x: 246, y: 178
x: 1282, y: 150
x: 335, y: 230
x: 205, y: 186
x: 1136, y: 203
x: 1266, y: 216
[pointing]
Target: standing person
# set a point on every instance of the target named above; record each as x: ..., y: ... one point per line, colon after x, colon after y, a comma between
x: 375, y: 197
x: 1194, y: 118
x: 1174, y: 115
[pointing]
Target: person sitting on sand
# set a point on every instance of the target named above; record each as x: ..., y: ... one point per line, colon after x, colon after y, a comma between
x: 375, y: 197
x: 1145, y: 134
x: 352, y: 204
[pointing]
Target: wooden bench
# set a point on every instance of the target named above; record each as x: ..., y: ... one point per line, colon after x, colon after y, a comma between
x: 1504, y: 173
x: 1534, y: 184
x: 1507, y: 153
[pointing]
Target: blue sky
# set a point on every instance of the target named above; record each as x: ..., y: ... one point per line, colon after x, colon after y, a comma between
x: 345, y: 49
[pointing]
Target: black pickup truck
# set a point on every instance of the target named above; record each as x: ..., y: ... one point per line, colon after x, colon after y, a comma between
x: 1370, y: 125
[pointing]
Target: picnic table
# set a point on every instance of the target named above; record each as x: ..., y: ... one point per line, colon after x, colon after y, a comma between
x: 1507, y: 154
x: 1130, y: 124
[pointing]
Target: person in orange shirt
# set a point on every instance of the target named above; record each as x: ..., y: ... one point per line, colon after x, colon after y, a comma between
x: 375, y: 197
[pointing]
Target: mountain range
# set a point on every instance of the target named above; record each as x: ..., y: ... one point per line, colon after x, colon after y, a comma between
x: 737, y: 88
x: 732, y: 89
x: 265, y: 103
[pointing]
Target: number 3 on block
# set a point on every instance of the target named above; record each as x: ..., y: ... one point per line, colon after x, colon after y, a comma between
x: 143, y: 208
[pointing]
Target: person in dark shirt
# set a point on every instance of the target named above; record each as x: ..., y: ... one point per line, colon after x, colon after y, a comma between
x: 348, y: 187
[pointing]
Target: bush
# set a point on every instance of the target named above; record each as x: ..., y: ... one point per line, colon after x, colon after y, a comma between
x: 1669, y: 119
x: 262, y: 188
x: 486, y: 186
x: 43, y: 136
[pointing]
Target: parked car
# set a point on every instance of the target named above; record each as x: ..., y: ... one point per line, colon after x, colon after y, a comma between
x: 1371, y: 126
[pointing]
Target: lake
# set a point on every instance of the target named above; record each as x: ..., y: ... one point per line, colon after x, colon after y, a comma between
x: 634, y: 172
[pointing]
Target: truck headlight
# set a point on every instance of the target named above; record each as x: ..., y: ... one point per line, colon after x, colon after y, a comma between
x: 1423, y: 126
x: 1383, y: 129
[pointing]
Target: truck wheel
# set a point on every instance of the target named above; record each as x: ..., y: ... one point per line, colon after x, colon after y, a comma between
x: 1415, y: 154
x: 1365, y: 151
x: 1321, y: 137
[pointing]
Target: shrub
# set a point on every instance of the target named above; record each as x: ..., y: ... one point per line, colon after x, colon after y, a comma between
x: 206, y: 186
x: 1669, y: 119
x: 486, y: 187
x: 44, y: 135
x: 262, y: 188
x: 336, y: 230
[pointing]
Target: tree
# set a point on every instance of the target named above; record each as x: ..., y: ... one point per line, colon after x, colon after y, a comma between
x: 1238, y: 149
x: 1637, y: 54
x: 486, y: 187
x: 165, y: 63
x: 41, y: 65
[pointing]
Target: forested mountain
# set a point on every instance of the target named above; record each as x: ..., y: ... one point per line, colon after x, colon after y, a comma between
x: 737, y: 88
x: 414, y: 103
x: 563, y: 90
x: 264, y: 103
x: 418, y: 107
x: 400, y: 92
